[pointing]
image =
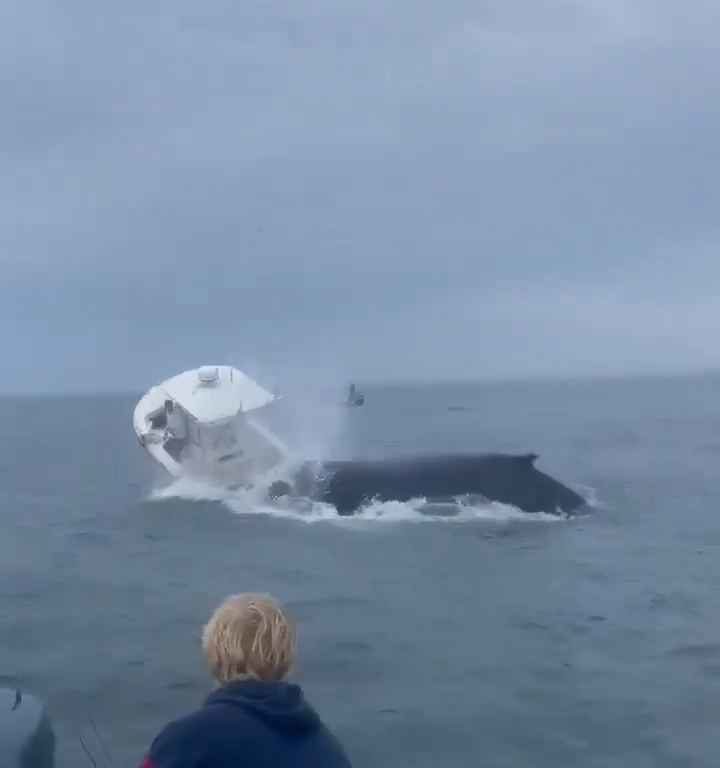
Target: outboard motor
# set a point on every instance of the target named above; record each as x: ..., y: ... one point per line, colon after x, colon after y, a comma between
x: 26, y: 735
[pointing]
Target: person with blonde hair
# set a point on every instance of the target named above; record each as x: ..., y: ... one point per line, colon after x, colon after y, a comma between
x: 254, y: 717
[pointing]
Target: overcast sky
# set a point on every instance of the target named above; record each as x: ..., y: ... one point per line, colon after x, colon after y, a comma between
x: 357, y: 188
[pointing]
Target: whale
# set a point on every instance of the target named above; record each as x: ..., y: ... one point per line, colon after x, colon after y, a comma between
x: 350, y: 485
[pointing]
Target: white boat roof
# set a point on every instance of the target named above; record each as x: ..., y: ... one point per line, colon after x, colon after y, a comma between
x: 216, y: 392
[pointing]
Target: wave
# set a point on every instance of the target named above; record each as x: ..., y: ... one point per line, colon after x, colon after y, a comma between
x: 253, y: 502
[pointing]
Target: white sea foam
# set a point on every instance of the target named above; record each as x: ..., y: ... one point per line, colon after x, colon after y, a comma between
x: 254, y: 502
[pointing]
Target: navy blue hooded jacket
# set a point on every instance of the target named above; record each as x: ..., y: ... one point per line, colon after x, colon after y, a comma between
x: 249, y: 724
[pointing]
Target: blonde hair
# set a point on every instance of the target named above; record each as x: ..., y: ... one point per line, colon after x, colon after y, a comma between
x: 249, y: 636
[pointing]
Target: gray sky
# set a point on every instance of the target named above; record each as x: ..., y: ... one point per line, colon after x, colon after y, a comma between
x: 355, y: 188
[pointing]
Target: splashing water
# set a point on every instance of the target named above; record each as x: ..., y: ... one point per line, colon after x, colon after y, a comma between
x: 254, y: 502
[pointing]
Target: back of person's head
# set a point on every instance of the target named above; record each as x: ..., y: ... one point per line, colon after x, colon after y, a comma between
x: 249, y: 636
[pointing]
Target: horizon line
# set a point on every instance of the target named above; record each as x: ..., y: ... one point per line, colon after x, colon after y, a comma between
x: 373, y: 382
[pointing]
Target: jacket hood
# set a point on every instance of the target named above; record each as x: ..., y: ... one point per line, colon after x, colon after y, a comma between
x: 281, y: 705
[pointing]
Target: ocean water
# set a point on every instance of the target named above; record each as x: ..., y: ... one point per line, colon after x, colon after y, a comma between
x: 492, y: 639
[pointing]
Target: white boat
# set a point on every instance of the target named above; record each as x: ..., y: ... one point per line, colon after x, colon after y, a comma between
x: 202, y: 423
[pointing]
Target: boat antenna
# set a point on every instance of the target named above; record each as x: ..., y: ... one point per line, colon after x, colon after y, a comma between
x: 100, y: 741
x: 88, y: 752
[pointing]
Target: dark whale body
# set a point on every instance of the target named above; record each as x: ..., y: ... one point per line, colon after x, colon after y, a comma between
x: 510, y: 479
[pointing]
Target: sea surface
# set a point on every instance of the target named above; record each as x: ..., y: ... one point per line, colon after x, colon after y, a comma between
x: 489, y: 639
